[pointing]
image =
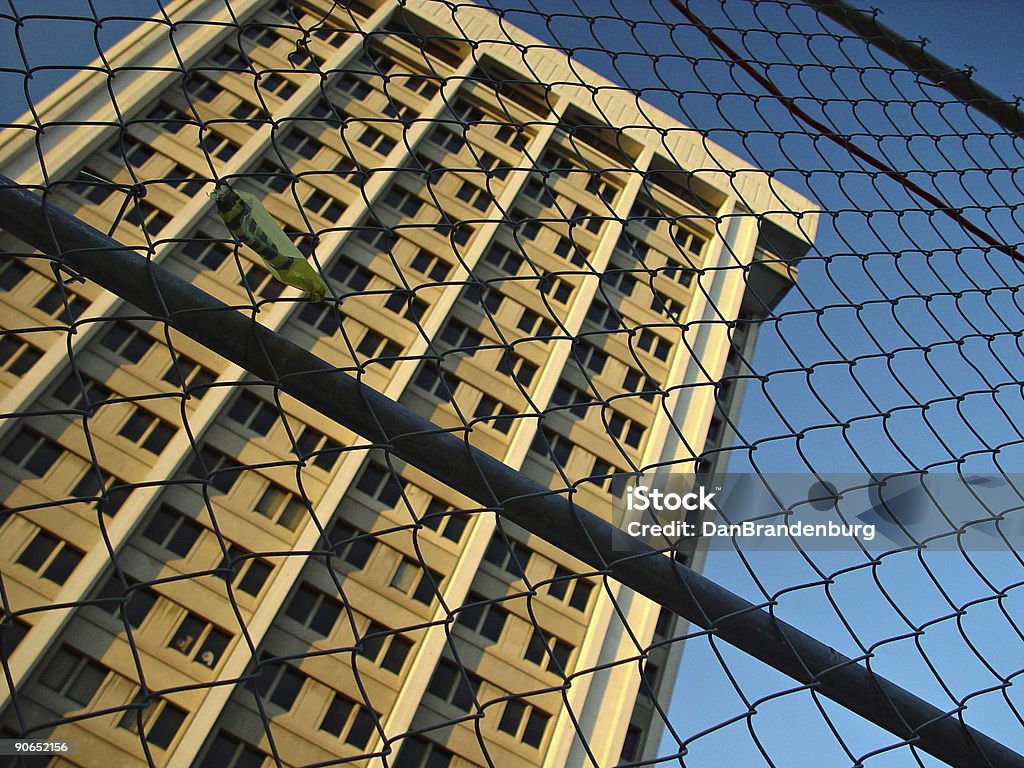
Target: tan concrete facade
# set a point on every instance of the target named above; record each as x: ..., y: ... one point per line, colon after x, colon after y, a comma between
x: 552, y: 272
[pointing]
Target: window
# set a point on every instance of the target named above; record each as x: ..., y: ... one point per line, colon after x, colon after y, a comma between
x: 458, y: 234
x: 589, y: 357
x: 281, y: 506
x: 274, y: 84
x: 248, y: 573
x: 484, y: 617
x: 445, y: 520
x: 572, y: 252
x: 301, y: 144
x: 430, y: 265
x: 552, y: 654
x: 33, y: 452
x: 552, y: 446
x: 446, y: 139
x: 509, y: 555
x: 200, y: 640
x: 353, y: 546
x: 280, y: 684
x: 205, y: 252
x: 411, y: 578
x: 378, y: 348
x: 173, y: 530
x: 12, y: 632
x: 73, y: 675
x: 353, y: 86
x: 75, y: 393
x: 644, y: 212
x: 51, y: 557
x: 133, y: 151
x: 536, y: 190
x: 407, y: 306
x: 525, y: 722
x: 352, y: 274
x: 62, y: 304
x: 259, y: 282
x: 619, y: 280
x: 270, y: 176
x: 419, y: 752
x: 527, y: 228
x: 403, y: 201
x: 107, y: 490
x: 322, y: 319
x: 218, y: 146
x: 556, y: 288
x: 571, y: 588
x: 147, y: 431
x: 254, y: 413
x: 375, y: 140
x: 312, y: 444
x: 381, y: 482
x: 472, y: 195
x: 216, y: 468
x: 12, y: 272
x: 640, y: 384
x: 458, y: 687
x: 227, y: 57
x: 465, y: 112
x: 631, y: 744
x: 493, y: 166
x: 651, y: 342
x: 603, y: 316
x: 260, y: 35
x: 513, y: 365
x: 184, y: 180
x: 200, y: 88
x: 344, y: 716
x: 535, y: 325
x: 168, y: 118
x: 160, y: 719
x: 460, y: 336
x: 495, y: 413
x: 632, y: 247
x: 682, y: 275
x: 602, y: 189
x: 324, y: 206
x: 136, y: 602
x: 331, y: 35
x: 583, y: 215
x: 189, y: 375
x: 422, y: 86
x: 486, y: 296
x: 313, y: 609
x: 228, y: 751
x: 127, y: 341
x: 626, y: 429
x: 569, y: 397
x: 384, y: 647
x: 689, y: 241
x: 435, y: 381
x: 17, y: 356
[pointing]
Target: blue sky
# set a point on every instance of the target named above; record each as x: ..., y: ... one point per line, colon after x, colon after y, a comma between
x: 983, y: 33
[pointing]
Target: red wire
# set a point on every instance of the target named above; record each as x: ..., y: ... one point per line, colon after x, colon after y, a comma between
x: 939, y: 204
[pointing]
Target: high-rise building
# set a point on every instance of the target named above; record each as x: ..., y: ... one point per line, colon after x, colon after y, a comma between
x: 516, y: 248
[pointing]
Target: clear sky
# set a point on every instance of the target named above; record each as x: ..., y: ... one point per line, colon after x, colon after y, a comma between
x: 986, y: 34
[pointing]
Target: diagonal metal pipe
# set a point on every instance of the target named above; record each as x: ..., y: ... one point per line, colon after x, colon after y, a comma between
x: 956, y: 82
x: 452, y: 460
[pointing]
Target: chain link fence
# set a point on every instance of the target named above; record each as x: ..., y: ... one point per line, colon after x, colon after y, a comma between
x: 397, y: 526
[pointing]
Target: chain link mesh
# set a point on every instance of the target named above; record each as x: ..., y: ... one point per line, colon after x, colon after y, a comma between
x: 199, y: 569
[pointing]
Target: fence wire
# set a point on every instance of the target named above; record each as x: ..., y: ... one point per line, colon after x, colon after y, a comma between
x: 564, y: 271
